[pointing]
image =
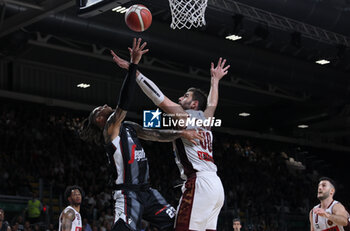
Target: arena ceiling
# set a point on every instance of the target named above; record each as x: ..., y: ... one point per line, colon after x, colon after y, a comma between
x: 273, y: 73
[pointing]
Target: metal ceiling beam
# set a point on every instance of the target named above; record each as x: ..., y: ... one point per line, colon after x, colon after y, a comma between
x: 31, y: 16
x: 280, y: 22
x: 193, y: 72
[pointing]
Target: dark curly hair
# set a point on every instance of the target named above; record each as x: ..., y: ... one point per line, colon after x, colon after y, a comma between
x: 89, y: 131
x: 69, y: 189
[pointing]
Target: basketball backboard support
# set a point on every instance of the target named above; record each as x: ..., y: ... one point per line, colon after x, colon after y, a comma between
x: 89, y: 8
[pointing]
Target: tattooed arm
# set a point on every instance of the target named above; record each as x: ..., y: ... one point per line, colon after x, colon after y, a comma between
x: 67, y: 219
x: 165, y: 135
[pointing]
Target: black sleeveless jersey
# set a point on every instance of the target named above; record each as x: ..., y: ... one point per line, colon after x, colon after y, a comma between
x: 127, y: 160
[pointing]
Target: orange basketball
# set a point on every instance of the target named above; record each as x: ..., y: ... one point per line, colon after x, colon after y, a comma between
x: 138, y: 18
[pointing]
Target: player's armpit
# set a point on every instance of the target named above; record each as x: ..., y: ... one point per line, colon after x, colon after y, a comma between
x: 67, y: 219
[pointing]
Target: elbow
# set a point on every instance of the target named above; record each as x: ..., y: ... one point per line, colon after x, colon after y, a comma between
x: 344, y: 223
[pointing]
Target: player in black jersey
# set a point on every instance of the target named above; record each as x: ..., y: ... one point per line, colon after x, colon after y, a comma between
x: 135, y: 200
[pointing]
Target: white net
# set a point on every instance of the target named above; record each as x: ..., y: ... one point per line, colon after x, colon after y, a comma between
x: 187, y: 13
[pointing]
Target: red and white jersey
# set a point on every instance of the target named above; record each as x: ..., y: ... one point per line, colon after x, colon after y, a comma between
x: 192, y: 158
x: 76, y: 224
x: 322, y: 223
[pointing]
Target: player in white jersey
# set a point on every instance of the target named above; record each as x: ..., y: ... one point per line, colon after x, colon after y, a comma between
x: 329, y: 215
x: 70, y: 219
x: 203, y: 194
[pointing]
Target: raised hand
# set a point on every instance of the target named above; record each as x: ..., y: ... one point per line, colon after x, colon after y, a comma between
x: 192, y: 135
x: 220, y: 70
x: 137, y: 51
x: 121, y: 62
x: 321, y: 212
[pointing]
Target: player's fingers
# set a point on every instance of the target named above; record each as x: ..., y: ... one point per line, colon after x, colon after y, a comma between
x: 130, y: 50
x: 133, y: 43
x: 201, y: 139
x: 211, y: 65
x: 144, y: 51
x: 219, y: 62
x: 223, y: 63
x: 194, y: 142
x: 200, y: 136
x: 226, y: 68
x: 138, y: 43
x: 143, y: 45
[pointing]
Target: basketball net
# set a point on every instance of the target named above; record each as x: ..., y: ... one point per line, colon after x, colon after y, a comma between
x: 187, y: 13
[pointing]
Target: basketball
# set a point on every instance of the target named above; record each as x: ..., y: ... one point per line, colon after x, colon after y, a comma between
x: 138, y: 18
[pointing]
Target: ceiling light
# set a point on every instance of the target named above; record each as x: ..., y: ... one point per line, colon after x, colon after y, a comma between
x: 322, y: 61
x: 123, y: 11
x: 116, y: 8
x: 120, y: 9
x: 303, y: 126
x: 83, y: 85
x: 233, y: 37
x: 244, y: 114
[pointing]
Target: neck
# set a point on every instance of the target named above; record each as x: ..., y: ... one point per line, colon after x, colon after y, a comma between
x: 326, y: 202
x: 76, y: 207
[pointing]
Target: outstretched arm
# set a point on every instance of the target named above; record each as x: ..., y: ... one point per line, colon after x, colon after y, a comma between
x: 165, y: 135
x: 217, y: 73
x: 153, y: 92
x: 126, y: 92
x: 67, y: 219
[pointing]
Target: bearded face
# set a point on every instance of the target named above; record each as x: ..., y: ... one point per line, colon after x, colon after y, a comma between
x: 325, y: 189
x: 323, y: 195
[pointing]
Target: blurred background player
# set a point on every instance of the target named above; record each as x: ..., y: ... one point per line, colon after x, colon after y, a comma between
x: 135, y: 199
x: 236, y: 224
x: 4, y: 225
x: 329, y: 214
x: 70, y: 219
x: 202, y: 193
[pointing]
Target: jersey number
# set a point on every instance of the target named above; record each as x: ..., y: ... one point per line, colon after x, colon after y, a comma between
x: 78, y: 228
x: 206, y: 143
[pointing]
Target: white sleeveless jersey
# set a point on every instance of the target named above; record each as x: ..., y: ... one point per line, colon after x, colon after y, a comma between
x: 192, y: 158
x: 76, y: 224
x: 322, y: 223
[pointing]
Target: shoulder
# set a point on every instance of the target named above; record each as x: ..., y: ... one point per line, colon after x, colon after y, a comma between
x: 68, y: 213
x: 337, y: 206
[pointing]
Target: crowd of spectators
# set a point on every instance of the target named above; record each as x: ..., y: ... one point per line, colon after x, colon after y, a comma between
x: 39, y: 142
